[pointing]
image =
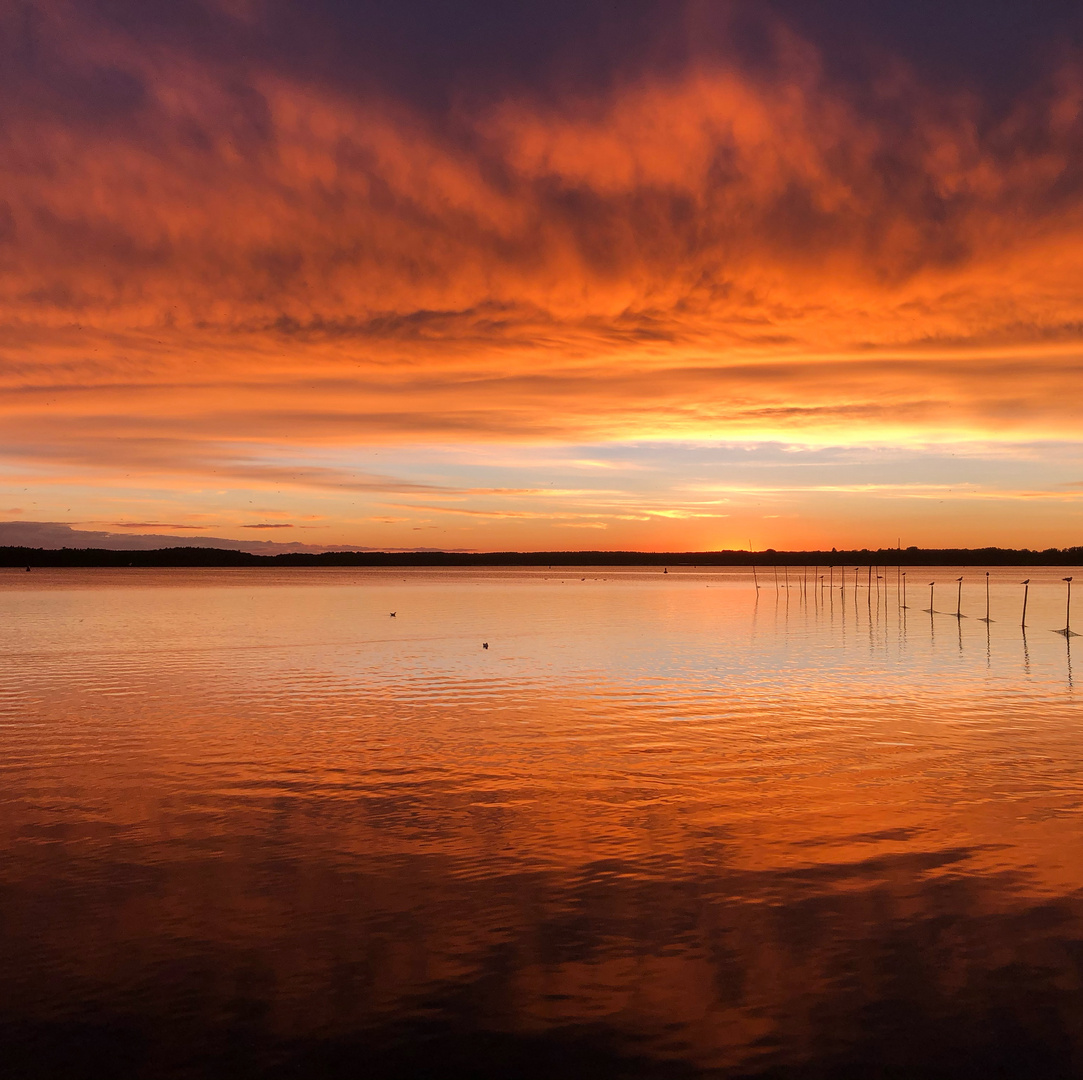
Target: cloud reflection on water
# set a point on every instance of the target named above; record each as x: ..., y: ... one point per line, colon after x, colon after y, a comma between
x: 252, y: 825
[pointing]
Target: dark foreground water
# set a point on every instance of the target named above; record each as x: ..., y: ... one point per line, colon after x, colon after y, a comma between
x: 664, y: 826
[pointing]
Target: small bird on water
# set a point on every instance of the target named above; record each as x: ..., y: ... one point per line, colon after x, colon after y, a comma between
x: 484, y: 644
x: 392, y: 614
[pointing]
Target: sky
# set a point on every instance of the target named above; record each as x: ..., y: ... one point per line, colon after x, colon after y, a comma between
x: 575, y: 275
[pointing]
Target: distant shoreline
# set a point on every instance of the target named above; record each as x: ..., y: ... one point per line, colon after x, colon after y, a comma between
x: 220, y: 557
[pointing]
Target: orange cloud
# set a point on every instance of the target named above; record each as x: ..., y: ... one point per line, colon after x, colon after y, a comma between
x: 707, y: 207
x: 228, y: 260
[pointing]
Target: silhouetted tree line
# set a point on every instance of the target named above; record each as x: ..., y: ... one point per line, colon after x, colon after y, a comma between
x: 200, y: 556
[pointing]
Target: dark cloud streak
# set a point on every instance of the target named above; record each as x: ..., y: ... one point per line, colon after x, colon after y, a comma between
x: 434, y: 53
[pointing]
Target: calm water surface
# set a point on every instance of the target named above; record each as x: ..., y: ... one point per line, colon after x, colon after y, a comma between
x: 665, y: 825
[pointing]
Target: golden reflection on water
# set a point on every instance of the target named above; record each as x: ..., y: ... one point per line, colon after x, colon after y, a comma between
x: 662, y: 822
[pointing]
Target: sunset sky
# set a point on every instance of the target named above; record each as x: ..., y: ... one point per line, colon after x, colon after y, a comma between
x: 573, y: 274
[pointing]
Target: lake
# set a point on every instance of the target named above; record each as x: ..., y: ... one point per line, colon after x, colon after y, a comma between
x: 665, y: 825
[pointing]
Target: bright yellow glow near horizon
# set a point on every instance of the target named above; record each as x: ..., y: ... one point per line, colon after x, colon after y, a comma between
x: 350, y: 325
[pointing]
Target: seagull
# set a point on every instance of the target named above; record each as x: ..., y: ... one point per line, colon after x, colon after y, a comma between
x: 484, y: 644
x: 393, y: 614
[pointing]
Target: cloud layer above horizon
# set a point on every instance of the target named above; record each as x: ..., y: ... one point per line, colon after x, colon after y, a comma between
x: 247, y: 247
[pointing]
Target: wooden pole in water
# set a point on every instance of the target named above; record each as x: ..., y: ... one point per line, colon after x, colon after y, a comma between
x: 776, y: 579
x: 987, y: 619
x: 1026, y: 592
x: 1068, y: 610
x: 832, y: 569
x: 931, y: 584
x: 755, y: 577
x: 959, y: 601
x: 904, y: 590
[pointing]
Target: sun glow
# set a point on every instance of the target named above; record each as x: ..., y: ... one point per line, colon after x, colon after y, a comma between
x: 328, y: 275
